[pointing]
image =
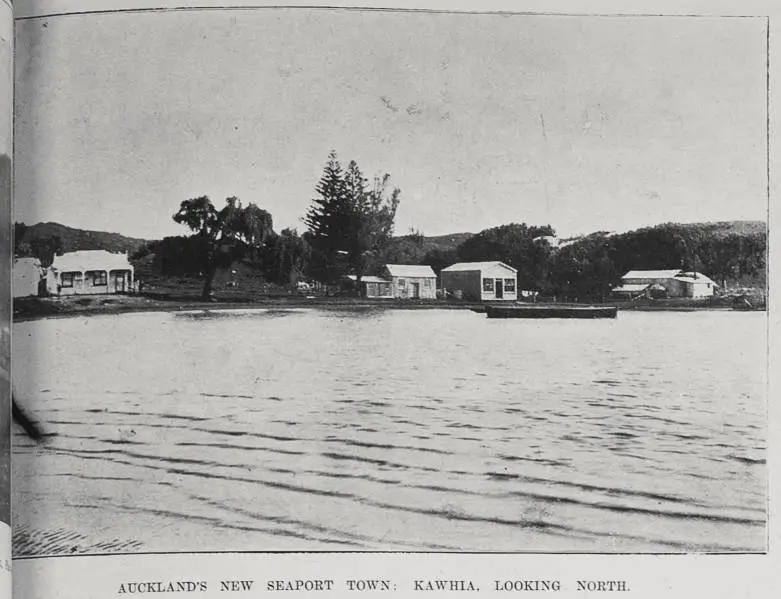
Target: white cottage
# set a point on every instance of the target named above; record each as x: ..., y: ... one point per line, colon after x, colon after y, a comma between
x: 481, y: 281
x: 671, y: 282
x: 91, y: 272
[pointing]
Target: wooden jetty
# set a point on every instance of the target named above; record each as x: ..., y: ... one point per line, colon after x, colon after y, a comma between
x: 550, y: 311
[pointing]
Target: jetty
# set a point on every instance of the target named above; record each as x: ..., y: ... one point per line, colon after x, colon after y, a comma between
x: 550, y: 311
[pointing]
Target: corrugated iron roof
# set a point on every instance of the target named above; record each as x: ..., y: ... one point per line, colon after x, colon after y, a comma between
x: 411, y: 270
x: 651, y: 274
x: 467, y: 266
x: 693, y: 277
x: 84, y: 260
x: 369, y: 279
x: 677, y: 274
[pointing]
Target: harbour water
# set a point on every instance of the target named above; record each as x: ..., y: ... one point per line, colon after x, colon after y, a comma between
x: 423, y: 430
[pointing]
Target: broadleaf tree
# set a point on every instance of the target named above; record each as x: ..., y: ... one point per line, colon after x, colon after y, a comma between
x: 221, y: 236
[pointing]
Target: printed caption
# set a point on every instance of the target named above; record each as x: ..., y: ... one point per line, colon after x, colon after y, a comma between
x: 419, y: 585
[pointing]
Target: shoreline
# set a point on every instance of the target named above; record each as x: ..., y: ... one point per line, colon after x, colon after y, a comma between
x: 28, y: 309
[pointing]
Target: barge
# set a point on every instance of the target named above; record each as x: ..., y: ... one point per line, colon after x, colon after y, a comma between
x: 550, y: 311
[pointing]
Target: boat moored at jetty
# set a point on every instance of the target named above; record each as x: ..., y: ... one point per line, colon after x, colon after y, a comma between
x: 550, y: 311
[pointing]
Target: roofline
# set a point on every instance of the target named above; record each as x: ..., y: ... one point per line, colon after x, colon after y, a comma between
x: 496, y: 262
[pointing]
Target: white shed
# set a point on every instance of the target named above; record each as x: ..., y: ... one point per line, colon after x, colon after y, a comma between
x: 27, y: 276
x: 481, y: 281
x: 675, y: 282
x: 412, y: 281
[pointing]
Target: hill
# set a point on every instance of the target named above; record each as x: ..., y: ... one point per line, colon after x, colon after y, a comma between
x: 719, y: 229
x: 437, y: 251
x: 451, y: 241
x: 27, y: 237
x: 733, y: 253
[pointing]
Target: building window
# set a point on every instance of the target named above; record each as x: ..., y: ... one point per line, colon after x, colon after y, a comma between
x: 99, y: 278
x: 384, y: 289
x: 70, y: 279
x: 402, y: 282
x: 488, y: 285
x: 509, y: 285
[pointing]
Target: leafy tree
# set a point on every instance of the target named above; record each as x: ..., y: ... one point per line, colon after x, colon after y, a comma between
x: 19, y: 232
x: 585, y: 269
x: 374, y: 217
x: 439, y: 258
x: 222, y: 236
x: 175, y: 256
x: 45, y: 249
x: 287, y: 257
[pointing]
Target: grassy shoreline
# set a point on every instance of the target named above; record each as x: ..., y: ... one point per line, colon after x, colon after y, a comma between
x: 33, y: 308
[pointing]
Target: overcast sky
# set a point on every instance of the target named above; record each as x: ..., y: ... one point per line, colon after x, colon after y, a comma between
x: 586, y: 123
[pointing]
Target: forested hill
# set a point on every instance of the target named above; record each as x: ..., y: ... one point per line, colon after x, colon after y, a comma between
x: 48, y: 238
x: 714, y: 230
x: 732, y: 253
x: 415, y: 248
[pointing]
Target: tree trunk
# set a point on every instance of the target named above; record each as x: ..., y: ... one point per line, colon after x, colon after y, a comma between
x: 206, y: 294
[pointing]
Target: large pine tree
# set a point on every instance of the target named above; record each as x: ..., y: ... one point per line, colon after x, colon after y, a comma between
x: 328, y: 222
x: 349, y: 223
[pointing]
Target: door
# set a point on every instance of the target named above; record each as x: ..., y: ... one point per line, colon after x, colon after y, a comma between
x: 499, y: 288
x: 118, y: 280
x: 415, y: 290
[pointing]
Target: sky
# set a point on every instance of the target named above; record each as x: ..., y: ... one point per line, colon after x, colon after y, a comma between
x: 584, y: 123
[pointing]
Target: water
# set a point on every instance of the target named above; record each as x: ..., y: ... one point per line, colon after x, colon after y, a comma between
x: 429, y: 430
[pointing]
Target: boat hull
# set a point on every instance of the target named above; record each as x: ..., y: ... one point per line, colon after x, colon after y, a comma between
x: 551, y: 311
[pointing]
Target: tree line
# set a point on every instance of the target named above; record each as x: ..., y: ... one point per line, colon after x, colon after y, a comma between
x: 349, y: 229
x: 349, y: 226
x: 590, y: 266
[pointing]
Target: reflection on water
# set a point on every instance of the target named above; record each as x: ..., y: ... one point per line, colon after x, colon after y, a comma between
x: 419, y: 430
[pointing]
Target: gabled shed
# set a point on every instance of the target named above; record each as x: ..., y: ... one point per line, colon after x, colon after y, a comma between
x: 27, y: 276
x: 481, y: 281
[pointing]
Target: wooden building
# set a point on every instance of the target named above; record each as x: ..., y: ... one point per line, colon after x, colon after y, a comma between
x: 91, y: 272
x: 374, y: 287
x: 412, y: 281
x: 481, y: 281
x: 27, y: 276
x: 400, y: 281
x: 665, y: 283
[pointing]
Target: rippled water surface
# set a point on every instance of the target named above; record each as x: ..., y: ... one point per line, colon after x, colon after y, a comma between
x: 392, y: 430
